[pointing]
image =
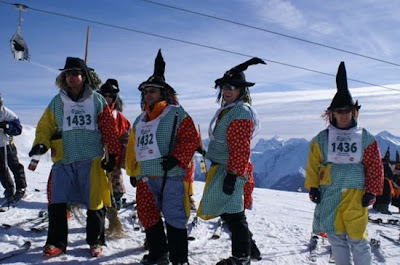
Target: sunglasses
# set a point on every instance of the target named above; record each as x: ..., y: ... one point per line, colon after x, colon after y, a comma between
x: 149, y: 91
x: 73, y: 73
x: 227, y: 87
x: 343, y: 111
x: 108, y: 95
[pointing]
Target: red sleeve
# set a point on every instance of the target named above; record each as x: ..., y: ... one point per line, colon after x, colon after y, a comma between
x: 123, y: 124
x: 373, y: 169
x: 109, y: 132
x: 239, y: 139
x: 188, y: 140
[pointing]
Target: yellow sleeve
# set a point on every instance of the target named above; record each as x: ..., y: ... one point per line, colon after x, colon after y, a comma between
x: 132, y: 166
x: 45, y: 128
x: 313, y: 166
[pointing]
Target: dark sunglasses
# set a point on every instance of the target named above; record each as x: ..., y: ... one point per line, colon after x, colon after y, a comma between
x: 108, y: 95
x: 73, y: 73
x: 149, y: 91
x: 343, y: 111
x: 228, y: 87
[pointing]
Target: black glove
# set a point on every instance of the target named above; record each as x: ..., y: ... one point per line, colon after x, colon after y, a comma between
x: 201, y: 151
x: 315, y: 195
x: 368, y: 199
x: 133, y: 181
x: 3, y: 125
x: 229, y: 183
x: 38, y: 149
x: 108, y: 166
x: 169, y: 162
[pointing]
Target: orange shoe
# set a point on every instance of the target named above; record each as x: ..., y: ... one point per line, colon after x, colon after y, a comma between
x: 52, y: 251
x: 96, y: 250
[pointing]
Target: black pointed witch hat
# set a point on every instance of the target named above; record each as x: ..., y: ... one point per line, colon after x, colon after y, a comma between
x: 157, y: 79
x: 342, y: 98
x: 236, y: 77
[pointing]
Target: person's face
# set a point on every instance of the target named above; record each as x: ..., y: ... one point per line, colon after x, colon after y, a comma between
x: 230, y: 94
x: 152, y: 95
x: 343, y: 117
x: 74, y: 78
x: 109, y: 98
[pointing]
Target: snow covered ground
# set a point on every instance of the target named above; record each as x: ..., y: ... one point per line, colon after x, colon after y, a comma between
x: 280, y: 221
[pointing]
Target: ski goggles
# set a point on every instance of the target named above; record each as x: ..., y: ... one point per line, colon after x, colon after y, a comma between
x: 227, y: 87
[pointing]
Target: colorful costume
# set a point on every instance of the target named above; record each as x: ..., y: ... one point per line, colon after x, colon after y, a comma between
x: 76, y: 131
x: 344, y: 174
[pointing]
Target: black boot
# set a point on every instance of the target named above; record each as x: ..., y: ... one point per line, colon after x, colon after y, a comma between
x: 157, y: 243
x: 177, y: 245
x: 237, y: 224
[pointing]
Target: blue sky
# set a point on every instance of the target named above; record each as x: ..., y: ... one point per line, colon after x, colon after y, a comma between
x: 288, y: 99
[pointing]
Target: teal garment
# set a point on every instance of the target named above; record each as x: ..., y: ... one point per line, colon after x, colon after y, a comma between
x: 218, y: 147
x: 80, y: 145
x: 153, y: 167
x: 343, y: 176
x: 215, y: 201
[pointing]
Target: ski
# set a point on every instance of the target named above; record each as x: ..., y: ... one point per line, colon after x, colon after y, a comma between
x: 191, y: 226
x: 312, y: 248
x: 375, y: 243
x: 42, y: 215
x: 331, y: 258
x: 21, y: 250
x: 40, y: 227
x: 218, y: 229
x: 388, y: 222
x: 394, y: 241
x: 8, y: 205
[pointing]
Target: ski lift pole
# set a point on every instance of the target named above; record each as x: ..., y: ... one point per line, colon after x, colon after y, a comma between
x: 87, y: 43
x: 203, y: 166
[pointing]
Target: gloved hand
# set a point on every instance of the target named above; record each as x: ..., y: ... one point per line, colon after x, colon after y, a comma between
x: 3, y: 125
x: 108, y: 166
x: 38, y: 149
x: 229, y: 183
x: 201, y: 151
x: 133, y: 181
x: 315, y: 195
x: 169, y: 162
x: 368, y: 199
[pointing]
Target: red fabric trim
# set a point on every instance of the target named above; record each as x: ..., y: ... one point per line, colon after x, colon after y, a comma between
x: 239, y: 135
x: 373, y: 169
x: 148, y: 213
x: 109, y: 131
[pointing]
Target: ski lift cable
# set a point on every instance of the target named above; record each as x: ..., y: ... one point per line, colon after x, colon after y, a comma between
x: 198, y: 45
x: 269, y: 31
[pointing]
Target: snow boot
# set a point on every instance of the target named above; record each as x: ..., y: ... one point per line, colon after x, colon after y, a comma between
x: 96, y: 250
x: 254, y: 251
x: 235, y: 261
x: 150, y: 260
x: 177, y: 245
x: 157, y: 244
x: 50, y: 251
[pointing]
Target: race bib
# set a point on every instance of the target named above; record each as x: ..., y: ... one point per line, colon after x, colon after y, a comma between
x: 146, y: 147
x: 78, y: 115
x: 344, y: 146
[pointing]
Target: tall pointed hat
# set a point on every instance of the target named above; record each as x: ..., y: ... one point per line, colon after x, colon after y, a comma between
x: 342, y: 98
x: 157, y: 79
x: 236, y: 77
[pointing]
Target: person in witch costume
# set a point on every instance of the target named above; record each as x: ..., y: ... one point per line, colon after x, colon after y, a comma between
x: 344, y: 174
x: 161, y: 145
x: 231, y: 131
x: 110, y: 91
x: 76, y: 125
x: 383, y: 201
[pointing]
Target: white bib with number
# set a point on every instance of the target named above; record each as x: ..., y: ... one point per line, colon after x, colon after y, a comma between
x: 146, y: 147
x: 344, y: 146
x: 78, y: 115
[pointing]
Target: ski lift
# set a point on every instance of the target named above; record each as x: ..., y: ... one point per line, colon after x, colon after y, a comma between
x: 18, y: 46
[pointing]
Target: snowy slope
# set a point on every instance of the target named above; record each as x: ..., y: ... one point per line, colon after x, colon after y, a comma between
x: 280, y: 221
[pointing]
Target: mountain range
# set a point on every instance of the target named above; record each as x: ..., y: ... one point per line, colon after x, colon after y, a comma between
x: 280, y: 164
